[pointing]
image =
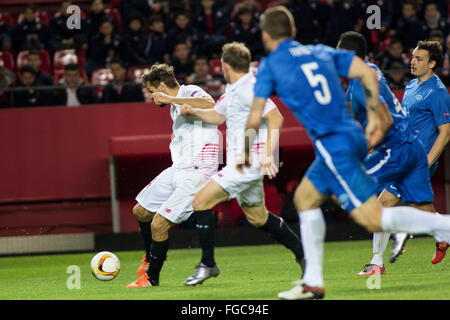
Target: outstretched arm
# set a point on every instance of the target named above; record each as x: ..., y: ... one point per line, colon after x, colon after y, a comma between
x: 205, y: 102
x: 210, y: 116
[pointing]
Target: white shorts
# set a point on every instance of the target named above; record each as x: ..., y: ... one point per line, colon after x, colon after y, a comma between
x: 246, y: 188
x: 171, y: 193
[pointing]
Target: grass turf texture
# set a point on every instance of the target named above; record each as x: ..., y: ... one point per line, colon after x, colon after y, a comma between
x: 253, y: 272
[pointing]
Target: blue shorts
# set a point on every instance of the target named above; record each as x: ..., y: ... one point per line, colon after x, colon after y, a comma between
x: 403, y: 171
x: 338, y: 168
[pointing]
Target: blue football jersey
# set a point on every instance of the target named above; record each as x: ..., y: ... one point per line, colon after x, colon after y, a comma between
x: 428, y: 106
x: 306, y: 78
x: 401, y: 130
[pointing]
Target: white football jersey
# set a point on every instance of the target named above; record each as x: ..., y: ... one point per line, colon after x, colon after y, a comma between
x: 194, y: 144
x: 235, y: 105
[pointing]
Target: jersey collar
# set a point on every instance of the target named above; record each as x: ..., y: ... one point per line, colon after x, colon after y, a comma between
x: 244, y: 78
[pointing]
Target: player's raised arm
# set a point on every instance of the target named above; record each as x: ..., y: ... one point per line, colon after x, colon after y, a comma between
x: 203, y: 102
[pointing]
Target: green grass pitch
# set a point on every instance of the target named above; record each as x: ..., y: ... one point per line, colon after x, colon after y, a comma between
x: 247, y: 273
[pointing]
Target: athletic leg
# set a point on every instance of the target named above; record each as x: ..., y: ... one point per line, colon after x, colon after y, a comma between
x: 307, y: 200
x: 264, y: 220
x: 144, y: 218
x: 203, y: 202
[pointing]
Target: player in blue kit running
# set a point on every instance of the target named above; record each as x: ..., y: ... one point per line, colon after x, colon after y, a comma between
x: 427, y: 101
x: 306, y: 78
x: 387, y: 163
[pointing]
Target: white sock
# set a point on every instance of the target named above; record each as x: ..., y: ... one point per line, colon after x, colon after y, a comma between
x: 380, y: 241
x: 411, y: 220
x: 312, y: 230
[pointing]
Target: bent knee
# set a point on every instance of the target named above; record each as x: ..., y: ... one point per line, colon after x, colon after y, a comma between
x: 160, y: 228
x: 199, y: 204
x: 142, y: 214
x: 256, y: 218
x: 371, y: 221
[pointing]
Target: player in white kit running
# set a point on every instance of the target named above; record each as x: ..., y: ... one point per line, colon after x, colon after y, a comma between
x: 167, y: 199
x: 234, y: 108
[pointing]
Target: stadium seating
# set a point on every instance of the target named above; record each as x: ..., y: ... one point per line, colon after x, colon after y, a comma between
x: 101, y: 77
x: 64, y: 57
x: 215, y: 67
x: 8, y: 18
x: 135, y: 74
x: 46, y: 65
x: 7, y: 60
x: 41, y: 16
x: 115, y: 14
x: 254, y: 66
x: 58, y: 74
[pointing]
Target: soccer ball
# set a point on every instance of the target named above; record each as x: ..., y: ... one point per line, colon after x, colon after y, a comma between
x: 105, y: 266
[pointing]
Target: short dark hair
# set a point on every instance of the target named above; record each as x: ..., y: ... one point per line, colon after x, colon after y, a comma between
x: 394, y: 41
x: 107, y: 19
x: 71, y: 67
x: 244, y: 9
x: 28, y: 69
x: 434, y: 50
x: 160, y: 72
x: 353, y: 41
x: 34, y: 53
x: 278, y: 22
x: 201, y: 57
x: 237, y: 55
x: 31, y: 7
x: 118, y: 61
x: 436, y: 33
x: 182, y: 13
x: 135, y: 16
x: 155, y: 18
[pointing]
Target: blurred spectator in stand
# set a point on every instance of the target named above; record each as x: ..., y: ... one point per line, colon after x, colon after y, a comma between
x: 182, y: 61
x: 212, y: 23
x: 341, y: 16
x: 393, y: 54
x: 121, y: 89
x: 7, y: 79
x: 75, y: 91
x: 157, y: 44
x: 96, y: 17
x: 248, y: 32
x: 63, y: 37
x: 30, y: 34
x: 104, y: 46
x: 396, y: 76
x: 377, y: 39
x: 433, y: 20
x: 29, y: 97
x: 408, y: 28
x: 256, y: 10
x: 437, y: 35
x: 130, y: 7
x: 202, y: 78
x: 446, y: 63
x: 135, y: 41
x: 34, y: 60
x: 182, y: 32
x: 309, y: 21
x: 5, y: 36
